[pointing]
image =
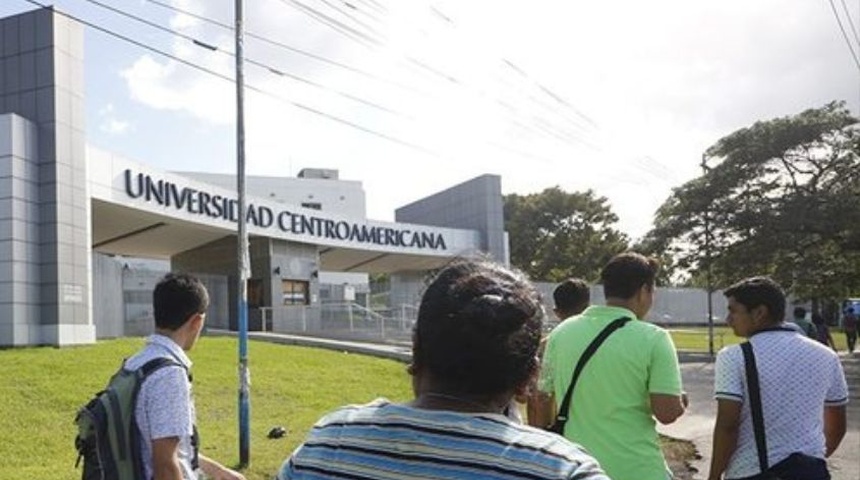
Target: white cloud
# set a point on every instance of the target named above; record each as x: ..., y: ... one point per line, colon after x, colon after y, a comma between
x: 115, y: 127
x: 110, y: 123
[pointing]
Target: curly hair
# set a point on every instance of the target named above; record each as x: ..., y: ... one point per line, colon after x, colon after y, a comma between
x: 478, y: 328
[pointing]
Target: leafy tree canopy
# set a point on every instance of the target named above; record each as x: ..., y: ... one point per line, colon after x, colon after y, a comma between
x: 555, y: 235
x: 779, y: 198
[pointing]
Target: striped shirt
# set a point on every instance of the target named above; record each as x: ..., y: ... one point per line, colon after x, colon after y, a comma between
x: 382, y: 441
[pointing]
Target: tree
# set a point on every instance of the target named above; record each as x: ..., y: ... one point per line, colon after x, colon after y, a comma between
x: 781, y: 198
x: 555, y: 235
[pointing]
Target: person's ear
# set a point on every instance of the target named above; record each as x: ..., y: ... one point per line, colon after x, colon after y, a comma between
x: 196, y: 320
x: 760, y: 315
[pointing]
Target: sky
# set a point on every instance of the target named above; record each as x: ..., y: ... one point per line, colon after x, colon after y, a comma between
x: 413, y: 96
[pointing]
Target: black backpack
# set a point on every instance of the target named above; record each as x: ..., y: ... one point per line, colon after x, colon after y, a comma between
x: 108, y: 439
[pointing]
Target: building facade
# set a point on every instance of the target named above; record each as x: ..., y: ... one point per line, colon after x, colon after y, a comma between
x: 72, y: 215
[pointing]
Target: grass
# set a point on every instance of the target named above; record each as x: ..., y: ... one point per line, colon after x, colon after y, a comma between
x: 695, y: 339
x: 42, y: 388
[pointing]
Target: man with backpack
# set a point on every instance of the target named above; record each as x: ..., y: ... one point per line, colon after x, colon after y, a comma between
x: 165, y: 406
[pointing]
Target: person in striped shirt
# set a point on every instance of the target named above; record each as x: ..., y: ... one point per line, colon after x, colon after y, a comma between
x: 474, y: 348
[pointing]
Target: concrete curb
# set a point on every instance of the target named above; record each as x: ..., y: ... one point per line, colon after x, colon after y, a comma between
x: 391, y: 352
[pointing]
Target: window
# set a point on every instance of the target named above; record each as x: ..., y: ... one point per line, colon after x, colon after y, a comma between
x: 294, y: 292
x: 313, y: 205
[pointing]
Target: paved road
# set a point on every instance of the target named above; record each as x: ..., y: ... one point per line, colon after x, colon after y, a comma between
x: 698, y: 423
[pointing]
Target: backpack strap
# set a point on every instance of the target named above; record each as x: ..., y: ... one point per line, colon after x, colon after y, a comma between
x: 562, y: 414
x: 151, y: 366
x: 755, y: 404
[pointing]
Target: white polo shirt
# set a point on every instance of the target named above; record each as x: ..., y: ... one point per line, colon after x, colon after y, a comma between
x: 165, y: 406
x: 797, y: 378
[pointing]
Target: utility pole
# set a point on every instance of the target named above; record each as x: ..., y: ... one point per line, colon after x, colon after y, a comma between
x: 709, y: 285
x: 242, y: 273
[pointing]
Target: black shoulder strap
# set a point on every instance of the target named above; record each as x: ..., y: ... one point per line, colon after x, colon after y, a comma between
x: 561, y: 416
x: 755, y: 404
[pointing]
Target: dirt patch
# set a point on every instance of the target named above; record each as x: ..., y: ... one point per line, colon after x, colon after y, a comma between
x: 679, y: 454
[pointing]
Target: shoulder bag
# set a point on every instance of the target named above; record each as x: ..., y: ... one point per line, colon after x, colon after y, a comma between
x: 797, y: 466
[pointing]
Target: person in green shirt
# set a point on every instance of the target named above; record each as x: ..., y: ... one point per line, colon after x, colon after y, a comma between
x: 807, y: 326
x: 632, y: 379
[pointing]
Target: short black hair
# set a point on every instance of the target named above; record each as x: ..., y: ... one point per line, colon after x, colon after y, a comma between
x: 755, y: 291
x: 626, y: 273
x: 177, y: 297
x: 799, y: 312
x: 478, y: 327
x: 571, y: 294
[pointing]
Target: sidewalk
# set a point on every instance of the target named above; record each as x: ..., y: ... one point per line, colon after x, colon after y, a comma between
x: 697, y: 424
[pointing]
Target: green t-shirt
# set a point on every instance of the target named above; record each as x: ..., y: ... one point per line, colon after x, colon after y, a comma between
x: 611, y: 409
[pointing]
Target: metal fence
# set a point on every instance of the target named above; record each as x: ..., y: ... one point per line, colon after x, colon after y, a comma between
x: 347, y: 321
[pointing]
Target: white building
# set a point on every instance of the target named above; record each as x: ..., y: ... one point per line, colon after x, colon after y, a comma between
x: 71, y: 214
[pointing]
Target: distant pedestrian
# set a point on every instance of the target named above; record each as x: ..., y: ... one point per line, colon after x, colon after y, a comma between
x: 849, y: 326
x: 806, y: 326
x: 803, y: 416
x: 822, y: 331
x: 570, y: 298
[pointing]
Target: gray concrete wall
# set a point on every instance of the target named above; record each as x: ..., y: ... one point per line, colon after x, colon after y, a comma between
x: 20, y: 287
x: 108, y: 299
x: 41, y: 80
x: 476, y: 204
x: 295, y: 261
x: 216, y: 264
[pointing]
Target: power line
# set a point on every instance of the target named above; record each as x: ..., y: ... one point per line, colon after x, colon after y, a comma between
x: 443, y: 75
x: 282, y: 45
x: 249, y: 87
x: 336, y: 25
x: 332, y: 117
x: 545, y: 129
x: 269, y: 68
x: 449, y: 22
x: 347, y: 15
x: 851, y: 22
x: 844, y: 35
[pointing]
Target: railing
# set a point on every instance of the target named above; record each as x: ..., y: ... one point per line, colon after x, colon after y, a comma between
x: 339, y: 320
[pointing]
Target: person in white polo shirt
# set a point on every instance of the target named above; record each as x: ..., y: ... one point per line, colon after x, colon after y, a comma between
x: 802, y: 391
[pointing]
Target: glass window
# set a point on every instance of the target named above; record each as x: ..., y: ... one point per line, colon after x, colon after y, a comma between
x: 295, y: 292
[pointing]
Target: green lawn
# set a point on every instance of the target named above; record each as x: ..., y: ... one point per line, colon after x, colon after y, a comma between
x: 42, y: 388
x: 696, y: 338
